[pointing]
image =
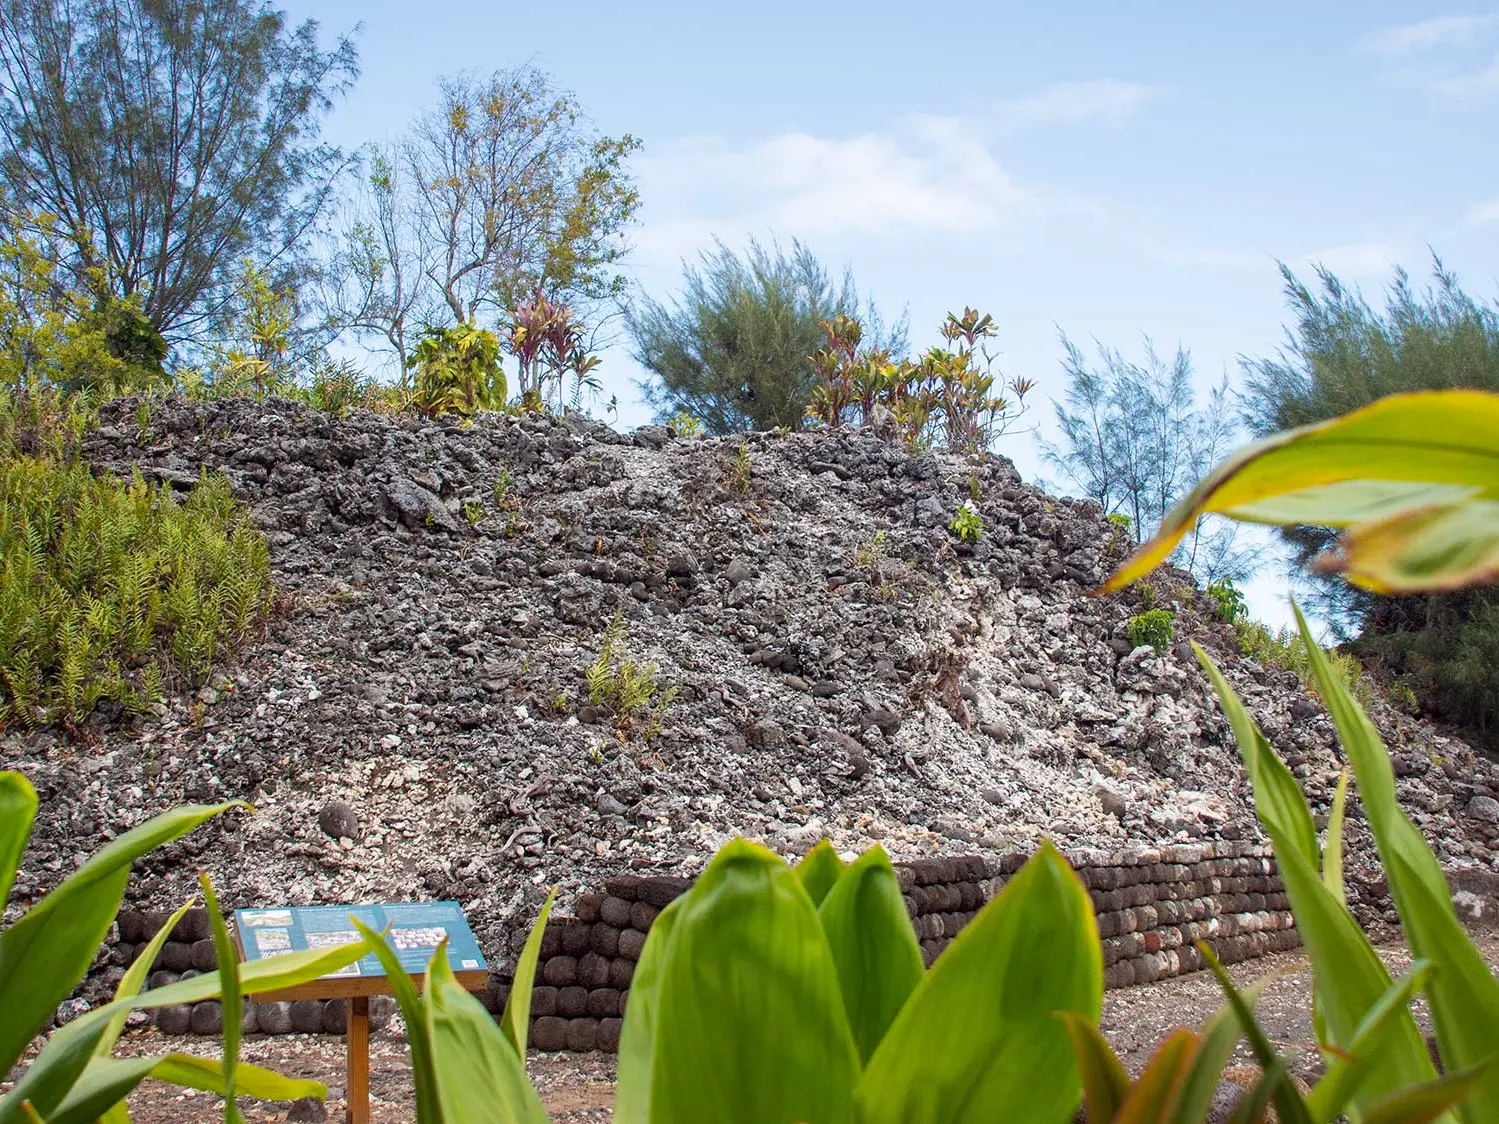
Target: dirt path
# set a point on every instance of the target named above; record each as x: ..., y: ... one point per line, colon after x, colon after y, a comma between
x: 580, y: 1087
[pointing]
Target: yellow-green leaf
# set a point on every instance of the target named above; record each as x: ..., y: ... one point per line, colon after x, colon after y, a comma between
x: 819, y: 869
x: 516, y: 1020
x: 17, y: 811
x: 1105, y: 1083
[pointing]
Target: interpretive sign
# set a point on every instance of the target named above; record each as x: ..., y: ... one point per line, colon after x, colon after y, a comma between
x: 413, y: 929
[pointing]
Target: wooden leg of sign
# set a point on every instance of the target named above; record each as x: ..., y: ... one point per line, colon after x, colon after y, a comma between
x: 357, y: 1091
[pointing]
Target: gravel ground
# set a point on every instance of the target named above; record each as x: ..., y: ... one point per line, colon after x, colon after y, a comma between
x: 580, y: 1087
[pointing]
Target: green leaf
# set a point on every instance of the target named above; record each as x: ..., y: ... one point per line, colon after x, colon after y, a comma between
x: 1352, y: 1065
x: 414, y: 1015
x: 874, y: 946
x: 516, y: 1021
x: 135, y: 977
x: 480, y: 1078
x: 1425, y: 1103
x: 637, y: 1042
x: 1157, y: 1088
x: 819, y: 869
x: 749, y: 1027
x: 1215, y: 1046
x: 107, y: 1081
x: 1105, y: 1083
x: 1464, y: 995
x: 1289, y: 1107
x: 978, y: 1040
x: 192, y: 1072
x: 45, y: 953
x: 17, y: 811
x: 1350, y: 977
x: 1416, y: 476
x: 231, y: 999
x: 1332, y: 854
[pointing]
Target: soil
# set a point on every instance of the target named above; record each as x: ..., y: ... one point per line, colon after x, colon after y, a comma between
x: 580, y: 1087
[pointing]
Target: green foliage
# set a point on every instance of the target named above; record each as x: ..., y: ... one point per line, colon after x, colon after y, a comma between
x: 967, y: 524
x: 734, y: 350
x: 1286, y: 651
x: 686, y: 425
x: 1228, y: 600
x: 473, y: 511
x: 502, y: 488
x: 457, y: 372
x: 46, y: 952
x: 110, y: 588
x: 740, y: 471
x: 259, y: 361
x: 1134, y: 439
x: 169, y: 140
x: 874, y: 552
x: 629, y: 689
x: 549, y: 343
x: 952, y: 397
x: 1151, y: 627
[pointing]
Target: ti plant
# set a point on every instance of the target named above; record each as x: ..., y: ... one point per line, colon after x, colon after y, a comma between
x: 44, y: 955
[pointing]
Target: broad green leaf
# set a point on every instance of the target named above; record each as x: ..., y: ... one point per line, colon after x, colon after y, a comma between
x: 480, y: 1078
x: 1151, y: 1097
x: 1215, y: 1046
x: 1332, y: 854
x: 978, y: 1040
x: 749, y: 1025
x: 1105, y: 1083
x: 17, y: 811
x: 107, y: 1081
x: 1289, y: 1107
x: 516, y: 1021
x: 1463, y: 993
x: 1432, y: 455
x: 637, y: 1041
x: 873, y: 944
x: 135, y: 977
x: 819, y: 869
x: 52, y: 1072
x: 230, y: 997
x: 1425, y: 1103
x: 1350, y: 977
x: 48, y: 950
x: 414, y: 1015
x: 1365, y: 1049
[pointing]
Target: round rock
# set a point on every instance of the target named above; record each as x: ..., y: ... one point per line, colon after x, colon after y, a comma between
x: 338, y: 820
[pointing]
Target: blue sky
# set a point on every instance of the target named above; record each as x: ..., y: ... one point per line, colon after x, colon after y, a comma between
x: 1114, y: 171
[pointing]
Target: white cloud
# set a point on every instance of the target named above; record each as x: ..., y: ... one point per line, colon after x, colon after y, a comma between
x: 1472, y: 85
x: 1071, y: 103
x: 1424, y: 35
x: 1481, y: 214
x: 1357, y: 261
x: 929, y: 176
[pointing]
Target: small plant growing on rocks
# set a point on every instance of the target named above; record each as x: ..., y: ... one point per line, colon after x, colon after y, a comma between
x: 874, y: 552
x: 502, y: 487
x: 473, y: 511
x: 1228, y: 600
x: 629, y: 689
x: 967, y: 524
x: 740, y: 470
x: 1120, y: 520
x: 1151, y: 627
x: 686, y: 425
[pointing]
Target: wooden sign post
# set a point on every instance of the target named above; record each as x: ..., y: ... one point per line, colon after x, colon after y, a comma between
x: 414, y: 931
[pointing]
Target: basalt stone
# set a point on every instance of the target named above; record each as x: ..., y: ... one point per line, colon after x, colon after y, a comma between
x: 587, y: 907
x: 176, y: 956
x: 175, y: 1020
x: 308, y: 1110
x: 207, y: 1017
x: 549, y: 1033
x: 603, y: 1002
x: 643, y: 916
x: 560, y: 971
x: 572, y: 1001
x: 273, y: 1018
x: 621, y: 972
x: 194, y: 926
x: 338, y: 820
x: 131, y: 925
x: 615, y: 911
x: 307, y: 1016
x: 662, y: 891
x: 161, y: 977
x: 335, y: 1016
x: 631, y: 941
x: 204, y: 957
x: 593, y: 970
x: 543, y: 1001
x: 608, y: 1035
x: 576, y: 938
x: 551, y: 940
x: 604, y: 940
x: 624, y: 886
x: 382, y: 1010
x: 583, y: 1034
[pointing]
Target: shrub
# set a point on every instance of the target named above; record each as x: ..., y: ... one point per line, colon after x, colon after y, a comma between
x: 686, y: 425
x: 46, y: 952
x: 740, y: 471
x: 1228, y: 600
x: 1151, y: 627
x: 109, y: 589
x: 967, y: 524
x: 457, y: 372
x: 1120, y: 520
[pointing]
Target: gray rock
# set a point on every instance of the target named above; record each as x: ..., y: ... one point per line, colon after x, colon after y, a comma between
x: 338, y: 820
x: 308, y: 1110
x: 738, y: 572
x: 1484, y: 809
x: 609, y: 806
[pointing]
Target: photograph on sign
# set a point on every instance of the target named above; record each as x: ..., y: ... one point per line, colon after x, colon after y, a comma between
x: 414, y: 930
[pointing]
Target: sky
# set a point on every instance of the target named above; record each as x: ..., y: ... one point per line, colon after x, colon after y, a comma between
x: 1113, y: 171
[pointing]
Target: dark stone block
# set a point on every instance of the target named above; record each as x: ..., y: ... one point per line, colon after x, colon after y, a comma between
x: 203, y: 956
x: 609, y: 1032
x: 621, y: 972
x: 624, y: 886
x: 631, y: 941
x: 642, y: 916
x: 176, y: 956
x: 604, y: 940
x: 603, y: 1003
x: 587, y: 908
x: 593, y: 971
x: 549, y: 1033
x: 194, y: 926
x: 583, y: 1035
x: 382, y: 1008
x: 131, y: 924
x: 335, y: 1017
x: 560, y: 971
x: 307, y: 1016
x: 551, y: 940
x: 274, y: 1018
x: 152, y: 921
x: 543, y: 1001
x: 161, y: 977
x: 207, y: 1017
x: 615, y: 911
x: 175, y: 1020
x: 576, y: 938
x: 572, y: 1002
x: 661, y: 892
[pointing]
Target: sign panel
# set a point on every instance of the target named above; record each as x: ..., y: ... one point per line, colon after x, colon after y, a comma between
x: 414, y: 930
